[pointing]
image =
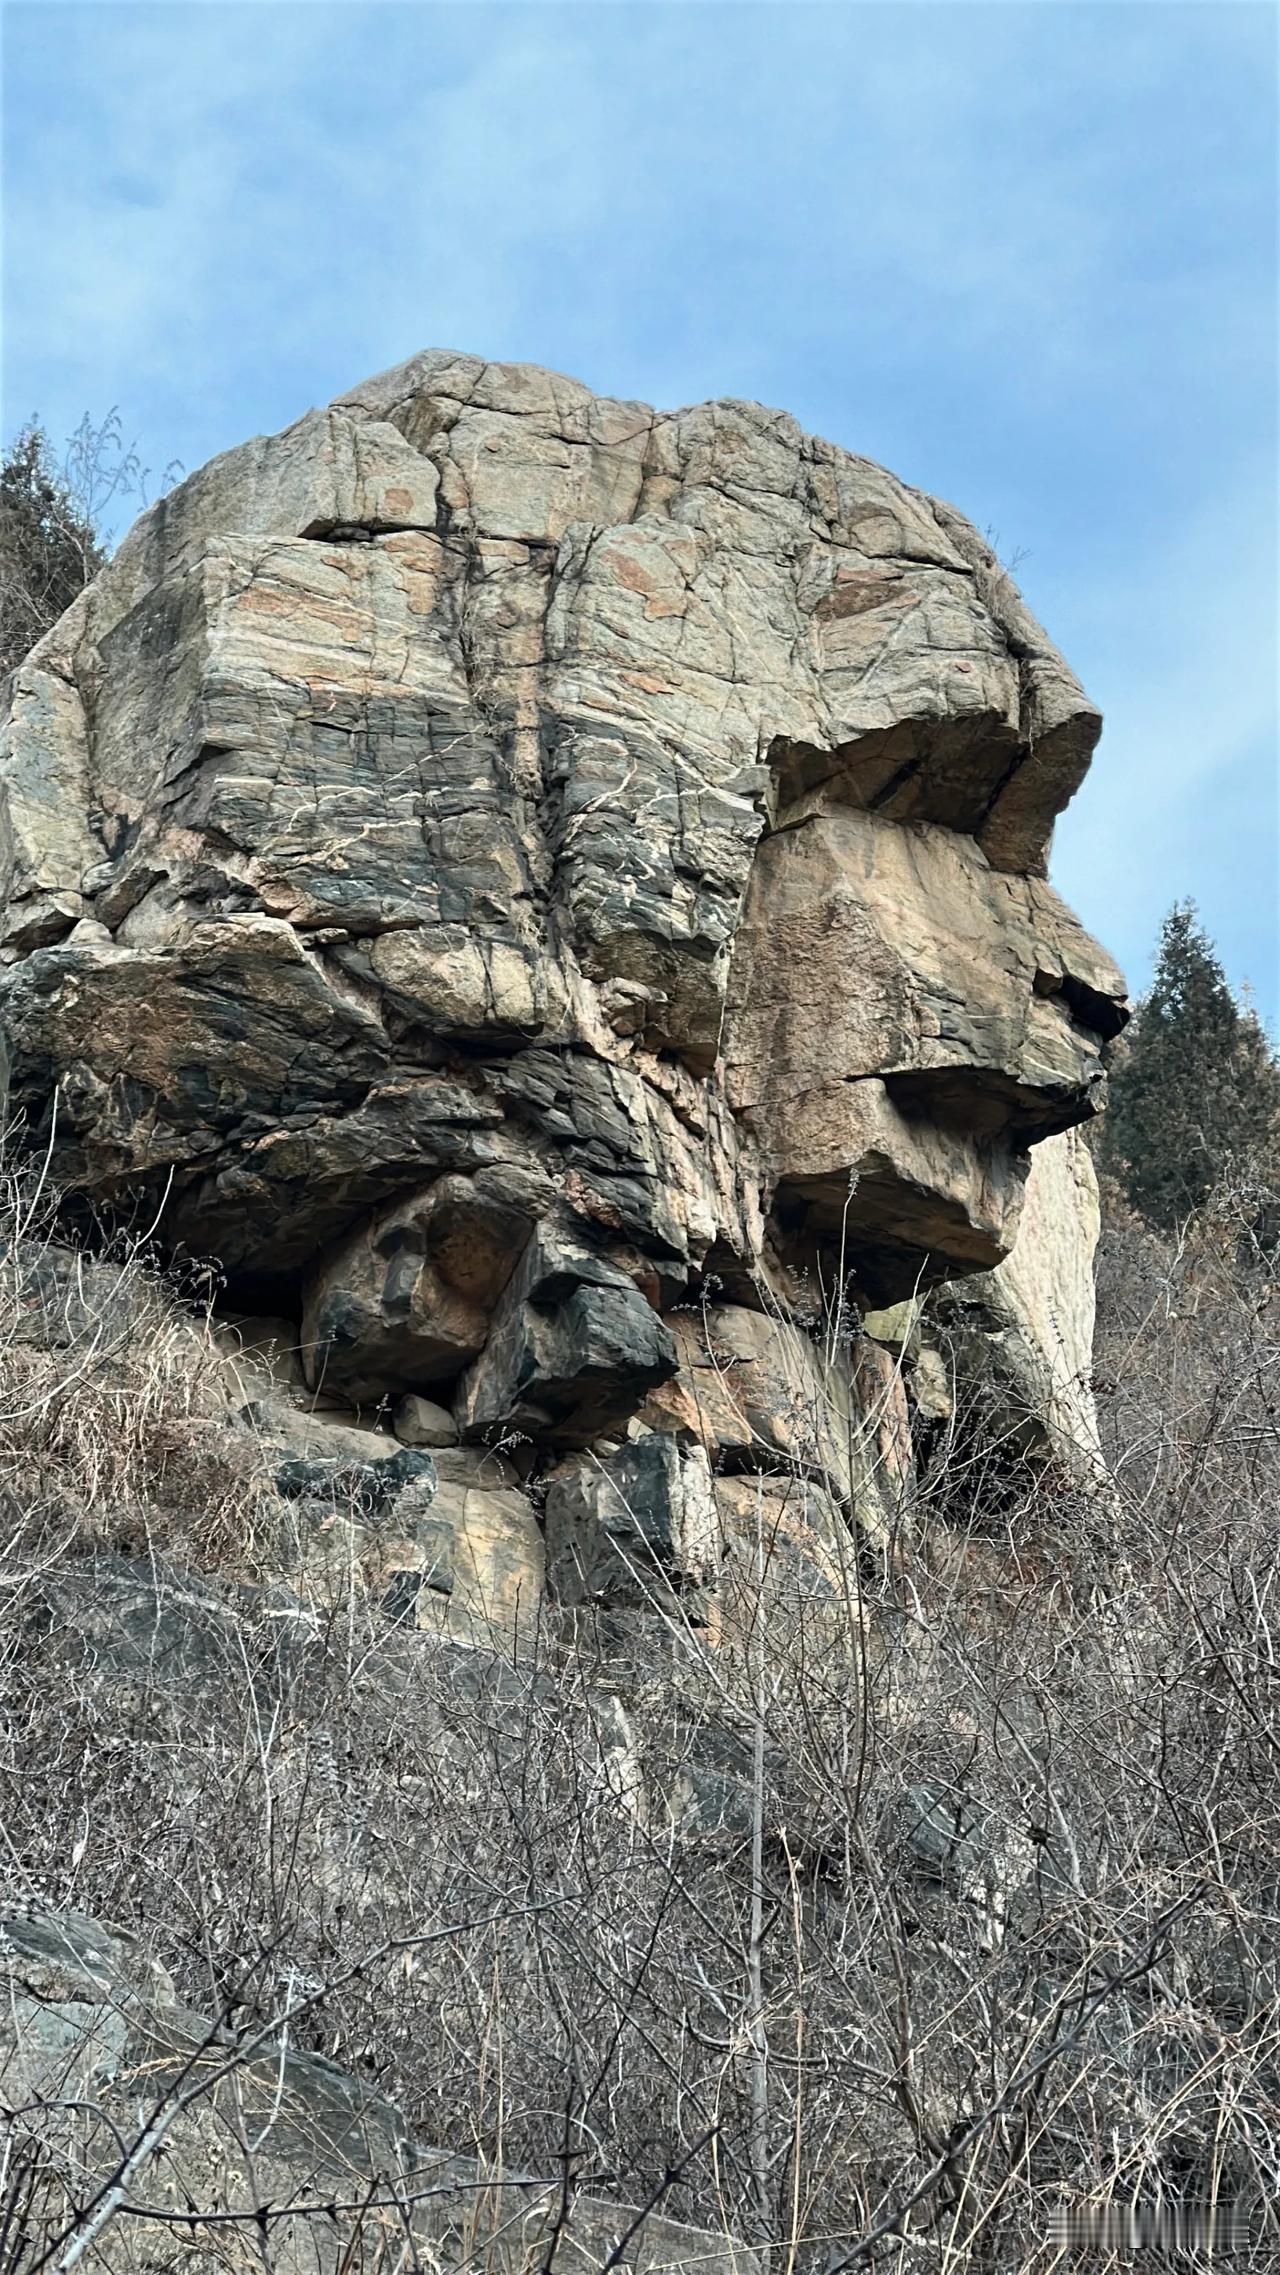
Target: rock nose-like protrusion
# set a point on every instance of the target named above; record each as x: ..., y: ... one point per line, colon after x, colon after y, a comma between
x: 488, y: 823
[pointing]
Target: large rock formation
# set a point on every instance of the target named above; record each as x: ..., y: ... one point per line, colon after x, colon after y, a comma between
x: 495, y: 867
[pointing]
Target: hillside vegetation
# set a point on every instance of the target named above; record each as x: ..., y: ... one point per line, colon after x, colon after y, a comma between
x: 592, y: 1677
x: 983, y: 1918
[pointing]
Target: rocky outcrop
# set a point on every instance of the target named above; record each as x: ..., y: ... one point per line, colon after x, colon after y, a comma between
x: 550, y: 896
x: 1009, y: 1354
x: 1025, y: 1331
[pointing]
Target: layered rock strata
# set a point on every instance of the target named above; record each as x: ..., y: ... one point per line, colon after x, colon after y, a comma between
x: 543, y: 891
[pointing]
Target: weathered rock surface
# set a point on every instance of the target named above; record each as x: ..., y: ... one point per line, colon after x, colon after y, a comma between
x: 901, y: 1014
x: 636, y: 1529
x: 494, y: 865
x: 1011, y: 1351
x: 1025, y: 1331
x: 408, y: 1297
x: 420, y: 1422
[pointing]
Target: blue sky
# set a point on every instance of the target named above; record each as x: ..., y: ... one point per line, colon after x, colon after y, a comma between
x: 1024, y: 252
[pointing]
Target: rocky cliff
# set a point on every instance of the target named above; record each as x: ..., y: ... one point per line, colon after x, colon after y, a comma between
x: 543, y: 903
x: 491, y: 865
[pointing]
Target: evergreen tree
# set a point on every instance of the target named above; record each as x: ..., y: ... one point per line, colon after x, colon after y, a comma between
x: 1195, y: 1096
x: 54, y: 521
x: 49, y: 547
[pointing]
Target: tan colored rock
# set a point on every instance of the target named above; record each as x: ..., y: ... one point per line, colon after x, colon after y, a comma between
x: 286, y: 1431
x: 979, y: 1009
x: 46, y: 847
x: 798, y: 1404
x: 881, y: 1396
x: 932, y: 1391
x: 487, y: 822
x: 1024, y: 1333
x: 789, y: 1579
x: 480, y: 1468
x: 895, y: 1328
x: 697, y: 1404
x: 445, y: 1541
x: 470, y: 1564
x: 757, y: 1393
x: 1048, y: 1283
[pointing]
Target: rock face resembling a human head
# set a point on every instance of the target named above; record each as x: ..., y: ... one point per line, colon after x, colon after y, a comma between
x: 490, y: 858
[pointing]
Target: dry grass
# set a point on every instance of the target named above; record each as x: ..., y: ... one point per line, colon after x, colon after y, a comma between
x: 985, y: 1924
x: 113, y: 1393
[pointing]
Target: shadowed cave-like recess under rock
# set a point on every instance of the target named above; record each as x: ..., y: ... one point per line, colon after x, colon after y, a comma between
x: 545, y: 892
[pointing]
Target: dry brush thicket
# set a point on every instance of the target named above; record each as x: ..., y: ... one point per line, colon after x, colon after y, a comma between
x: 986, y: 1926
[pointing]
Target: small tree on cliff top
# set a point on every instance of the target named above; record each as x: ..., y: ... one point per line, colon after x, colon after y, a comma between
x: 49, y: 548
x: 54, y: 520
x: 1196, y: 1095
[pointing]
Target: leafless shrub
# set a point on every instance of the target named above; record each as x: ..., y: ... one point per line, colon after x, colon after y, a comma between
x: 951, y: 1904
x: 105, y: 1403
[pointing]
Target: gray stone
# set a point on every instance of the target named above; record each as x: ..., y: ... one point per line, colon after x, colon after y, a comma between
x: 145, y: 1627
x: 285, y: 1431
x: 573, y: 1347
x: 91, y: 2032
x: 636, y: 1528
x: 367, y: 1488
x: 408, y: 1297
x: 417, y: 1422
x: 956, y: 1845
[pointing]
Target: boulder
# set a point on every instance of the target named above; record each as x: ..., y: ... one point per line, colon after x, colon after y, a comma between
x: 636, y: 1528
x: 419, y: 1422
x: 954, y: 1844
x: 369, y: 1488
x: 573, y: 1348
x: 791, y: 1583
x: 406, y: 1299
x: 696, y: 1404
x: 152, y: 1631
